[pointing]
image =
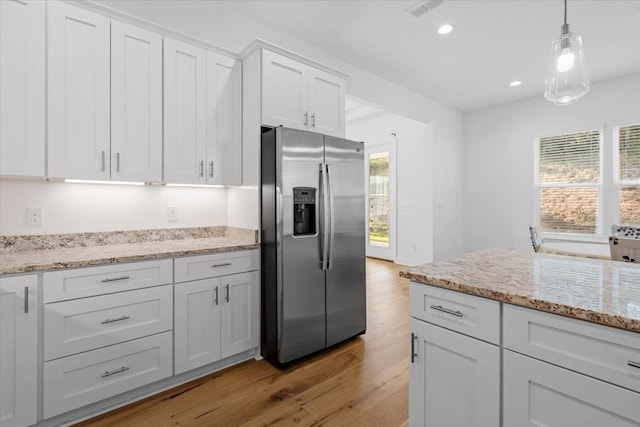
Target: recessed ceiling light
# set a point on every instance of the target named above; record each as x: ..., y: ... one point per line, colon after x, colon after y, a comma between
x: 515, y: 83
x: 445, y: 29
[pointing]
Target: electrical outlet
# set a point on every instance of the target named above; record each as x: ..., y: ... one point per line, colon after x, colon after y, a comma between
x: 34, y: 216
x: 172, y: 214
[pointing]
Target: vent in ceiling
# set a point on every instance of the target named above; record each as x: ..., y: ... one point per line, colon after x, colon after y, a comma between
x: 424, y: 7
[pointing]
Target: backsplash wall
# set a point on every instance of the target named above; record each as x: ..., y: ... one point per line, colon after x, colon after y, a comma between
x: 75, y: 208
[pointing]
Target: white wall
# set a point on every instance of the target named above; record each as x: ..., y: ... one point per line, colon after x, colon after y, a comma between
x: 75, y: 208
x: 498, y: 156
x: 414, y: 166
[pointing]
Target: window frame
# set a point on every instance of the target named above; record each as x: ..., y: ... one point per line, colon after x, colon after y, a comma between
x: 601, y: 235
x: 617, y: 183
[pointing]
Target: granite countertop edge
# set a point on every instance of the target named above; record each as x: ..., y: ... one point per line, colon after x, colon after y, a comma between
x: 60, y: 265
x: 591, y: 316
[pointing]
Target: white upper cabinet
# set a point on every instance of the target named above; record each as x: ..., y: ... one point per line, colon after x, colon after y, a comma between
x: 78, y: 85
x: 224, y: 120
x: 326, y: 103
x: 18, y: 350
x: 136, y: 104
x: 22, y: 83
x: 300, y: 96
x: 185, y: 113
x: 285, y: 91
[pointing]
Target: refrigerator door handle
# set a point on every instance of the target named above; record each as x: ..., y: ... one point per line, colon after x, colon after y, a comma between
x: 331, y: 219
x: 324, y: 239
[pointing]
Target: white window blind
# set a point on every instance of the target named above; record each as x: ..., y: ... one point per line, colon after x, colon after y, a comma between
x: 628, y: 175
x: 569, y: 183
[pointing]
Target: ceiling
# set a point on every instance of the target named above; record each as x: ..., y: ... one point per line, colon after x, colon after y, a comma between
x: 494, y: 41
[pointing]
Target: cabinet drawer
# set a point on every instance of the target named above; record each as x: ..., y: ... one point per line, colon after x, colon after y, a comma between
x: 599, y: 351
x: 205, y: 266
x: 467, y: 314
x: 87, y: 282
x: 76, y: 381
x: 540, y: 394
x: 75, y: 326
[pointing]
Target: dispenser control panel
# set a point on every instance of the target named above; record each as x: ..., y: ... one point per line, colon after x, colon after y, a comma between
x: 304, y: 211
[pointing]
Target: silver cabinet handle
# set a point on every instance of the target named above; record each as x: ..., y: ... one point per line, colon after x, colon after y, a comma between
x: 117, y: 371
x: 306, y: 118
x: 216, y: 300
x: 202, y: 168
x: 224, y: 264
x: 313, y: 120
x: 634, y: 364
x: 446, y: 310
x: 115, y: 279
x: 211, y: 168
x: 117, y: 319
x: 118, y: 162
x: 26, y: 299
x: 103, y: 161
x: 414, y: 337
x: 227, y: 289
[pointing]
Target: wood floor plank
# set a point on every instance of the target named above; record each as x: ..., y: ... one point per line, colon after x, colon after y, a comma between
x: 362, y: 382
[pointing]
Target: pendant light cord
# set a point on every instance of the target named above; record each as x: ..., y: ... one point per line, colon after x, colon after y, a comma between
x: 565, y: 12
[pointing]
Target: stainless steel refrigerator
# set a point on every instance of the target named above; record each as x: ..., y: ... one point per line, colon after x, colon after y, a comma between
x: 313, y: 242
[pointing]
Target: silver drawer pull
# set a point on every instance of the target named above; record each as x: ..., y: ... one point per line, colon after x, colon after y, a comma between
x: 117, y: 319
x: 26, y: 299
x: 115, y: 279
x: 446, y: 310
x: 414, y: 337
x: 224, y: 264
x: 634, y: 364
x: 117, y: 371
x: 227, y: 288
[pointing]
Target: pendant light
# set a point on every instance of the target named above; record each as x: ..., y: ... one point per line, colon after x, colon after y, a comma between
x: 567, y: 78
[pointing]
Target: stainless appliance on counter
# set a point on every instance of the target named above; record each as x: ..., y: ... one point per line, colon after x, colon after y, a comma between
x: 313, y: 242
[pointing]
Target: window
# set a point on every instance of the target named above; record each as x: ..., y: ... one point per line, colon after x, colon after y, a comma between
x: 627, y: 174
x: 568, y: 183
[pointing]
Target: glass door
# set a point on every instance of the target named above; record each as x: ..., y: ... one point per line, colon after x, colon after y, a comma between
x: 380, y: 191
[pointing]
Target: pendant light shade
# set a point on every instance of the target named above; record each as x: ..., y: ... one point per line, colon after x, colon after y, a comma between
x: 567, y: 78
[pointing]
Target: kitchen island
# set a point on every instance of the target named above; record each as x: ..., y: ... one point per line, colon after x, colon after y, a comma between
x: 510, y: 338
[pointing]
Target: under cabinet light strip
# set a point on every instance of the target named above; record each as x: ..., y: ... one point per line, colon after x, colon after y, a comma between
x: 91, y: 181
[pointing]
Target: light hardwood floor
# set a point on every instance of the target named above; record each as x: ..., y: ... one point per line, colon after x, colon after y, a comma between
x: 363, y: 382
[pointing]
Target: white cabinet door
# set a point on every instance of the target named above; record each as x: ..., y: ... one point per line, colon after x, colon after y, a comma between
x: 185, y: 112
x: 197, y: 324
x: 136, y: 104
x: 224, y: 120
x: 285, y: 92
x: 326, y: 103
x: 78, y: 85
x: 540, y: 394
x: 454, y: 380
x: 18, y: 350
x: 22, y: 78
x: 240, y: 311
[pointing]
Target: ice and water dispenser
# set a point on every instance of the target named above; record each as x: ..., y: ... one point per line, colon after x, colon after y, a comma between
x: 304, y: 211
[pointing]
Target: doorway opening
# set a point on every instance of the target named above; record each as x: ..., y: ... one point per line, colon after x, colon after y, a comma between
x: 398, y: 182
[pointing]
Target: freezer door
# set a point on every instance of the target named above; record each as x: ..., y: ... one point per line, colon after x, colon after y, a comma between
x: 345, y: 280
x: 301, y: 290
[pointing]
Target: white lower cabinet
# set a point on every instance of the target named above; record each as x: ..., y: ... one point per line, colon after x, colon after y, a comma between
x: 537, y: 393
x: 454, y: 379
x: 18, y: 350
x: 76, y: 381
x: 215, y: 318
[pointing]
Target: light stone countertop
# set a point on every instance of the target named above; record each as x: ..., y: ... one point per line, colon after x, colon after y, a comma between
x: 24, y: 254
x: 598, y: 291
